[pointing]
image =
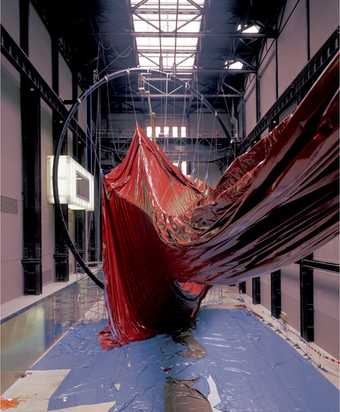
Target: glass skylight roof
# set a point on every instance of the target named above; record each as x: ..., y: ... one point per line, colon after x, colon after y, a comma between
x: 167, y: 29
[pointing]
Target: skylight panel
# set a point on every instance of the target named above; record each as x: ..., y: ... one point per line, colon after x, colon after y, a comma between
x: 172, y: 17
x: 184, y: 17
x: 168, y: 22
x: 150, y: 61
x: 191, y: 27
x: 168, y: 61
x: 185, y: 61
x: 150, y: 43
x: 187, y: 42
x: 143, y: 26
x: 168, y: 42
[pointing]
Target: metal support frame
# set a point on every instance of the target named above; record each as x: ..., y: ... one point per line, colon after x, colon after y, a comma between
x: 297, y: 89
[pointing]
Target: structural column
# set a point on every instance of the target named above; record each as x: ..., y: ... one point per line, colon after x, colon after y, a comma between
x: 61, y: 255
x: 31, y: 171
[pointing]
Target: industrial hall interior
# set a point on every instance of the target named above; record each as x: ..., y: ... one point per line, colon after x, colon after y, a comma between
x: 169, y: 206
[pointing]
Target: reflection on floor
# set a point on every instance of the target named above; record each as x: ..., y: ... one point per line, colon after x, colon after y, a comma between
x: 231, y: 362
x: 26, y: 336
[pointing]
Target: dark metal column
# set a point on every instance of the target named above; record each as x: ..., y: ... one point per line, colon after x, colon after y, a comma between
x: 31, y: 172
x: 61, y: 257
x: 307, y: 301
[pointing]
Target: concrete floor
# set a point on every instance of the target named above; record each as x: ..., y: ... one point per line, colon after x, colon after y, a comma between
x: 231, y: 362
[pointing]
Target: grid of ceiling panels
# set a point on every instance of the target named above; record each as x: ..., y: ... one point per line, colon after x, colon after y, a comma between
x: 168, y: 33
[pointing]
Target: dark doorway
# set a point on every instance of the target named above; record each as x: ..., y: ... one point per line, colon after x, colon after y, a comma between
x: 307, y: 302
x: 275, y: 278
x: 256, y: 290
x: 242, y: 287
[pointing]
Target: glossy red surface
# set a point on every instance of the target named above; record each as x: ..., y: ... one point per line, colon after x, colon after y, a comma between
x: 168, y: 238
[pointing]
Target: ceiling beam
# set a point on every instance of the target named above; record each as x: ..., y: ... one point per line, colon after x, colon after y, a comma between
x: 138, y: 5
x: 168, y: 95
x: 197, y: 6
x: 171, y: 50
x: 166, y: 11
x: 195, y: 34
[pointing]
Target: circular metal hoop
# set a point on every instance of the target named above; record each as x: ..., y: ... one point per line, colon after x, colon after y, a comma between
x: 84, y: 95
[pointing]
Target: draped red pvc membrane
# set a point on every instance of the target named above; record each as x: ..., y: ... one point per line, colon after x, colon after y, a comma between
x: 167, y: 238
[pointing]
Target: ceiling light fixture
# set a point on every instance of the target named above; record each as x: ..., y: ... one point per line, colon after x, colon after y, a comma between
x: 252, y: 29
x: 233, y: 65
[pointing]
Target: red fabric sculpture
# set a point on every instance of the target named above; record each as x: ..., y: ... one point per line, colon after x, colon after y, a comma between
x: 166, y: 240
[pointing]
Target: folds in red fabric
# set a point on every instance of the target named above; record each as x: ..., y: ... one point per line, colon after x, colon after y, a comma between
x: 167, y: 238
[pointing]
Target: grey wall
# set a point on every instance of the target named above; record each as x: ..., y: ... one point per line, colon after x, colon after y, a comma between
x: 266, y: 291
x: 326, y: 297
x: 40, y: 46
x: 292, y: 45
x: 65, y: 79
x: 292, y: 57
x: 82, y: 113
x: 290, y: 294
x: 326, y: 311
x: 11, y: 184
x: 124, y: 124
x: 249, y: 289
x: 11, y: 165
x: 41, y: 56
x: 10, y: 17
x: 11, y: 151
x: 324, y: 18
x: 205, y: 125
x: 267, y: 74
x: 47, y: 210
x: 202, y: 125
x: 292, y: 52
x: 250, y: 104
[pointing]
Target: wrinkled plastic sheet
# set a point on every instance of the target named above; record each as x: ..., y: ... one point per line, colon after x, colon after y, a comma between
x: 244, y: 366
x: 167, y: 238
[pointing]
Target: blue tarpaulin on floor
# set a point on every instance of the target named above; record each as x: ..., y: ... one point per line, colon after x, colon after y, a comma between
x: 253, y: 368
